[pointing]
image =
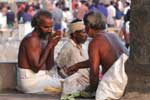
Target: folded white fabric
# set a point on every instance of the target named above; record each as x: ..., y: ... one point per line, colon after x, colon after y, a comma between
x: 30, y: 82
x: 114, y: 81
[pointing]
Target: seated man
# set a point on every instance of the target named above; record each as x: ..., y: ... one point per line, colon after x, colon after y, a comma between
x: 104, y: 49
x: 36, y: 56
x: 71, y: 53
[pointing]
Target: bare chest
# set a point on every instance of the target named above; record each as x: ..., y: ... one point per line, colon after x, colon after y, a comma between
x: 43, y: 43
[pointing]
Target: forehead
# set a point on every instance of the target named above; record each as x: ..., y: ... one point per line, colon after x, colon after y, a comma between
x: 80, y: 32
x: 46, y: 20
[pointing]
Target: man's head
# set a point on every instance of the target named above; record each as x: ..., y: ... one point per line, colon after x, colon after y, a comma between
x: 94, y: 20
x: 77, y: 31
x: 43, y: 22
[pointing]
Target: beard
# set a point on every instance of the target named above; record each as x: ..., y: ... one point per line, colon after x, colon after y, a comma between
x: 45, y: 36
x: 81, y: 41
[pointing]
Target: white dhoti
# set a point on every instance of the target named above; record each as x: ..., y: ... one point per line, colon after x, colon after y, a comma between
x: 70, y: 54
x: 114, y: 81
x: 30, y: 82
x: 76, y: 82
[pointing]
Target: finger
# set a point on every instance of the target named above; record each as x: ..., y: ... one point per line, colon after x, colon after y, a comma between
x: 69, y: 70
x: 56, y: 37
x: 58, y: 32
x: 69, y: 73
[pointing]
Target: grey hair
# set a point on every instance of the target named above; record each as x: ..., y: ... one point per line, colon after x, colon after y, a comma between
x: 37, y: 18
x: 95, y: 20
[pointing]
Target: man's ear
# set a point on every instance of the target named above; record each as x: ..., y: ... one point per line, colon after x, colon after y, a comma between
x: 91, y: 30
x: 36, y: 27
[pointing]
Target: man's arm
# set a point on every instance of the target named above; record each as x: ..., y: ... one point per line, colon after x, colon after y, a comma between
x: 50, y: 60
x: 36, y: 56
x: 74, y: 68
x: 94, y: 58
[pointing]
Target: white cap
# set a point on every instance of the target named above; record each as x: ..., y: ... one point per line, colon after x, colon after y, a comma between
x: 76, y: 26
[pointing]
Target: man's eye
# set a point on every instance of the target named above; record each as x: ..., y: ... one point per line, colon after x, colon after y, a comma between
x: 46, y: 27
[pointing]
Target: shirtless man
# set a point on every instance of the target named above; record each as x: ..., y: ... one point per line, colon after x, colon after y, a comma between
x: 104, y: 49
x: 36, y: 52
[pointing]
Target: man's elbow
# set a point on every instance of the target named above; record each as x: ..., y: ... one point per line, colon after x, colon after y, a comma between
x: 35, y: 70
x: 49, y: 66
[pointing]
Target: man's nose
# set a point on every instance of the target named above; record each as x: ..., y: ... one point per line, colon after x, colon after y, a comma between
x: 85, y: 35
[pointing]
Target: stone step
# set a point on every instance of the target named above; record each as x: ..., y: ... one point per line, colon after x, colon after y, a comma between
x: 8, y: 84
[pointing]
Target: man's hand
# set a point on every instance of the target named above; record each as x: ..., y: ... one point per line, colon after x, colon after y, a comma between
x: 54, y: 38
x: 72, y: 69
x: 58, y: 33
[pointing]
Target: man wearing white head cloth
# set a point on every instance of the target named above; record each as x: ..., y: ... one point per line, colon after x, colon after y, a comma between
x: 70, y: 54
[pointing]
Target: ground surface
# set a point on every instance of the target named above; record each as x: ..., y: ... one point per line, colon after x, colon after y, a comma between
x: 20, y: 96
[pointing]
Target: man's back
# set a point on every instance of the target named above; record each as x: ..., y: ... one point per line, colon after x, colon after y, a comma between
x: 110, y: 48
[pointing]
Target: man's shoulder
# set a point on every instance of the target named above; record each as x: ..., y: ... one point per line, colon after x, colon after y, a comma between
x: 33, y: 35
x: 29, y: 38
x: 68, y: 45
x: 99, y: 38
x: 99, y: 41
x: 94, y: 42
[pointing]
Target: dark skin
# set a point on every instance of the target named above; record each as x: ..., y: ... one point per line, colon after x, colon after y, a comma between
x: 35, y: 54
x: 101, y: 52
x: 79, y: 37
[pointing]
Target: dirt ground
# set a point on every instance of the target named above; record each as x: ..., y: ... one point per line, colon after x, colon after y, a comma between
x: 14, y: 96
x: 136, y: 96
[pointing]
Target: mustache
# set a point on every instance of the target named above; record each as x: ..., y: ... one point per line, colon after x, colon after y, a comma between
x: 82, y: 40
x: 48, y: 32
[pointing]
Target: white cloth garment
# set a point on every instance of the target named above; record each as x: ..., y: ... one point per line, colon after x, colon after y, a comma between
x: 70, y: 54
x: 30, y: 82
x: 76, y: 82
x: 114, y: 81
